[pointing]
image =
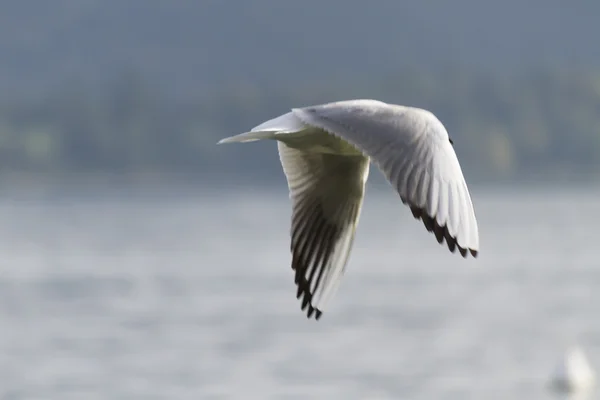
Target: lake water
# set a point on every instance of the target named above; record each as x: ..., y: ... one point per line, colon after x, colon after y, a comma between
x: 191, y: 296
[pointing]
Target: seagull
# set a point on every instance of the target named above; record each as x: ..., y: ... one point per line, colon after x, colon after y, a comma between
x: 325, y: 151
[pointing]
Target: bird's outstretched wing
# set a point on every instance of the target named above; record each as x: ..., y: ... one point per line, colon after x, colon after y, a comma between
x: 327, y: 193
x: 411, y: 147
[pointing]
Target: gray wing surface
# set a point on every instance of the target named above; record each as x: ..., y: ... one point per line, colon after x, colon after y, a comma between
x: 411, y: 147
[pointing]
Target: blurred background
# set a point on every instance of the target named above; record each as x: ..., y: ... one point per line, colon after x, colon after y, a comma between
x: 140, y: 260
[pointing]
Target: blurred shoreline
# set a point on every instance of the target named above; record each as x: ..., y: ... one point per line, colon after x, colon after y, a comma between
x: 32, y: 185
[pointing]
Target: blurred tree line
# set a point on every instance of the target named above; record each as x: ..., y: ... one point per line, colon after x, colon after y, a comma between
x: 540, y: 124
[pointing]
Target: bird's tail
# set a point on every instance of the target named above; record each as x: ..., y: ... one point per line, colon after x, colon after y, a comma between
x: 247, y: 137
x: 287, y: 123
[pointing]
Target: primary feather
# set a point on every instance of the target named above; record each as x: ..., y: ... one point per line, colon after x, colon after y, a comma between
x: 325, y: 152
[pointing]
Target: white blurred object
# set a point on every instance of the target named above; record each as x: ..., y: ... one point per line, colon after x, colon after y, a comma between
x: 573, y: 373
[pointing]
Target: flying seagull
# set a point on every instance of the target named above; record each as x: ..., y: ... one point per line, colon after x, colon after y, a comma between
x: 325, y: 152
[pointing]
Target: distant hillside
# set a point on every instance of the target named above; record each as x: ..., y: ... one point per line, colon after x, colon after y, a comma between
x: 541, y: 124
x: 187, y: 46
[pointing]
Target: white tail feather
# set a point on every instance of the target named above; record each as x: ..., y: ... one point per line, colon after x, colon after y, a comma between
x: 286, y: 123
x: 247, y: 137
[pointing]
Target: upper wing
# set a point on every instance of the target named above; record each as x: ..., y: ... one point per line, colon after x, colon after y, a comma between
x: 412, y: 148
x: 327, y: 192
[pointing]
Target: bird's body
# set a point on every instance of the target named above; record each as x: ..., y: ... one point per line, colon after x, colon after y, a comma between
x: 325, y: 152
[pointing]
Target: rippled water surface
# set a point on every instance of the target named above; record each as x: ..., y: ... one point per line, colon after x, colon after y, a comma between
x: 191, y: 296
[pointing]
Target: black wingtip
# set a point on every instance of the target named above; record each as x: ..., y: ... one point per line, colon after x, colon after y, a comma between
x: 318, y: 314
x: 303, y: 293
x: 451, y: 141
x: 314, y: 311
x: 441, y: 232
x: 309, y: 309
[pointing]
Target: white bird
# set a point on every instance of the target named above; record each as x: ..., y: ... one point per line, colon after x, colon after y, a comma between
x: 573, y: 374
x: 325, y: 152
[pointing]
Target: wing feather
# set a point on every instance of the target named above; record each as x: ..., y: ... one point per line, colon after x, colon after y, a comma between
x: 327, y: 192
x: 413, y: 150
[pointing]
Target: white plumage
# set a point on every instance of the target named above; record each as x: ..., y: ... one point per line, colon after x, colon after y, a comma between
x: 325, y: 152
x: 573, y: 374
